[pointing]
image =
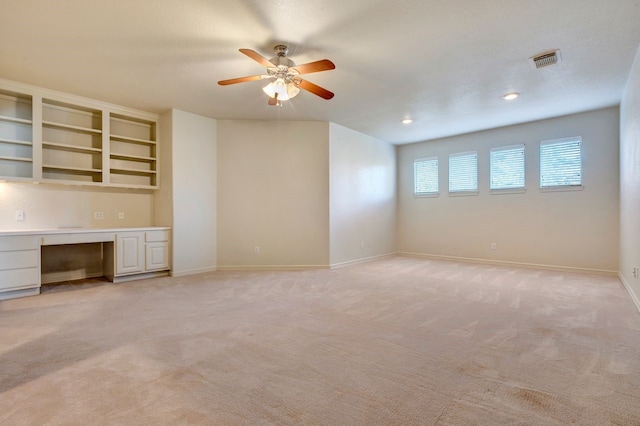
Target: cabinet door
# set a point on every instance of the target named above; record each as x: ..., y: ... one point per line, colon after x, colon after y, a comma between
x: 157, y: 256
x: 129, y: 252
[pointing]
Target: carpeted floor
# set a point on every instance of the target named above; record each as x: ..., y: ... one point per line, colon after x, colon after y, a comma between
x: 396, y: 341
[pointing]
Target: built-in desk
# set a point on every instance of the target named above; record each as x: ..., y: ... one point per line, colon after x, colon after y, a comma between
x: 127, y: 253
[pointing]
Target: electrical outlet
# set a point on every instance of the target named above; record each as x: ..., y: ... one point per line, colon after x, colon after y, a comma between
x: 361, y: 244
x: 121, y: 215
x: 19, y: 216
x: 256, y: 250
x: 493, y: 246
x: 98, y: 215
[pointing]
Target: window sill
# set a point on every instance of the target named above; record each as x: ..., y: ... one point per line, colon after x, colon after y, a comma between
x: 508, y: 191
x: 463, y: 193
x: 562, y: 188
x: 427, y: 195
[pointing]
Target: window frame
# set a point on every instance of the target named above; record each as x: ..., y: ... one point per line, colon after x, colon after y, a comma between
x: 463, y: 192
x: 508, y: 190
x: 570, y: 187
x: 415, y: 177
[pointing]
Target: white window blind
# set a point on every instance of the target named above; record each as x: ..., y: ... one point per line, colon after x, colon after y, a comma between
x: 507, y: 167
x: 463, y: 172
x: 561, y: 163
x: 425, y: 176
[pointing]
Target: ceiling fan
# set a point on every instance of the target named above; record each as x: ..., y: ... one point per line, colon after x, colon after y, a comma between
x: 284, y: 75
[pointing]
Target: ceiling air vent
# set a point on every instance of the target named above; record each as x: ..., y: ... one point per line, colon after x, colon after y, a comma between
x: 545, y: 59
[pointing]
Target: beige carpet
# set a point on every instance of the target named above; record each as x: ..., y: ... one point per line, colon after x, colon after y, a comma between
x: 397, y: 341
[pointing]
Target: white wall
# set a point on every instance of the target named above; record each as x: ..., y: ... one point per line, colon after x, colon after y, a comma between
x: 273, y: 192
x: 573, y: 229
x: 193, y: 183
x: 362, y: 196
x: 54, y: 206
x: 630, y: 182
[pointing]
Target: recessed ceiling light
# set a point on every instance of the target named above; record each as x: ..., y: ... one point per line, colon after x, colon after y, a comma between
x: 510, y: 96
x: 407, y: 121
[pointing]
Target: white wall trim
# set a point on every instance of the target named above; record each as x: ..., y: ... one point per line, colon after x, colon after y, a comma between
x: 363, y: 260
x: 193, y: 271
x: 513, y: 264
x: 271, y: 267
x: 634, y: 297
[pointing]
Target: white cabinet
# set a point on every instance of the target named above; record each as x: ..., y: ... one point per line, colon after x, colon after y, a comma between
x: 142, y: 252
x: 156, y: 250
x: 129, y: 253
x: 19, y: 266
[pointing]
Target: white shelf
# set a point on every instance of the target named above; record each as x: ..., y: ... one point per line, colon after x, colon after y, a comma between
x: 22, y: 159
x: 81, y: 170
x: 15, y: 120
x: 73, y: 148
x: 133, y: 140
x: 15, y: 142
x: 72, y: 128
x: 132, y: 158
x: 124, y: 171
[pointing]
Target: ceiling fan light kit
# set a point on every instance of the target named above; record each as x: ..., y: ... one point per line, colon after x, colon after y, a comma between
x: 285, y: 75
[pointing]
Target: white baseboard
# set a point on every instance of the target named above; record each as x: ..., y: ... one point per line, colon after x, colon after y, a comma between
x: 134, y: 277
x: 271, y: 267
x: 192, y: 271
x: 363, y: 260
x: 627, y: 286
x: 559, y: 268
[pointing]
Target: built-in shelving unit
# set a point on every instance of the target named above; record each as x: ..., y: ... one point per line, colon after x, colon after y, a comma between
x: 16, y: 136
x: 52, y: 137
x: 132, y: 155
x: 71, y: 142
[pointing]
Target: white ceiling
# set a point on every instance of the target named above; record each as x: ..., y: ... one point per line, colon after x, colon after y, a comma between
x: 444, y: 63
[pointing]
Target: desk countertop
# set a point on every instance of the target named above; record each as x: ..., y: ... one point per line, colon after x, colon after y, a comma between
x: 55, y: 231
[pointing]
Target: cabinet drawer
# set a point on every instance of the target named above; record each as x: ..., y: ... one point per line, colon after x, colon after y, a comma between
x: 19, y: 259
x: 18, y: 243
x: 153, y: 236
x: 19, y: 278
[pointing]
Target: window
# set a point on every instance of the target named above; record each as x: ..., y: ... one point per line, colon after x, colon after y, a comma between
x: 463, y: 172
x: 425, y: 176
x: 561, y: 163
x: 507, y: 167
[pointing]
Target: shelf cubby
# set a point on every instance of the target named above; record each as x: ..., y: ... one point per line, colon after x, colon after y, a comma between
x: 71, y: 142
x: 16, y: 135
x: 133, y: 151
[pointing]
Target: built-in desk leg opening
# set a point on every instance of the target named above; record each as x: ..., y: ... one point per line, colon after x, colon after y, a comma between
x: 71, y: 262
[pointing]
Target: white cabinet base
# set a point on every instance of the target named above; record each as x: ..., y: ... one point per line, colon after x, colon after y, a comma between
x: 19, y: 293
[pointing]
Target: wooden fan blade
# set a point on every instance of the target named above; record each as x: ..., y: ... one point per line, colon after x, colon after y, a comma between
x: 322, y: 65
x: 257, y: 57
x: 240, y: 80
x: 315, y: 89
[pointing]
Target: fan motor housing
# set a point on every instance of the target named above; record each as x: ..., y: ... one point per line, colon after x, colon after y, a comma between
x: 281, y: 61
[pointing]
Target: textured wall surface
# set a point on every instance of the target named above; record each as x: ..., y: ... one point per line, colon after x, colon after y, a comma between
x: 577, y: 229
x: 630, y: 181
